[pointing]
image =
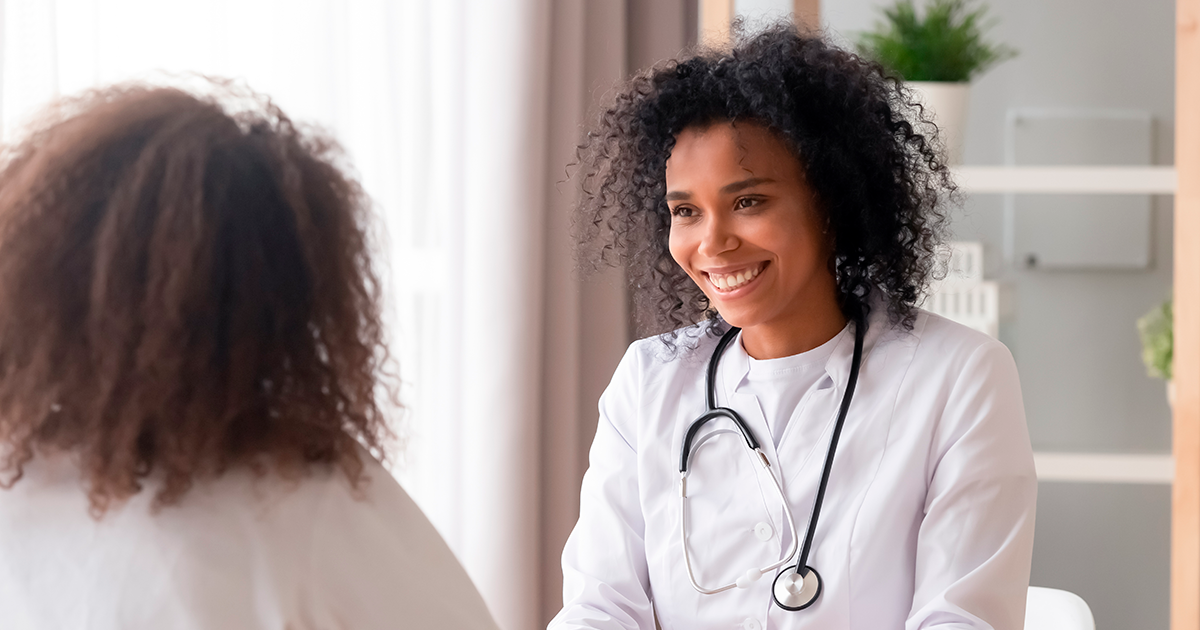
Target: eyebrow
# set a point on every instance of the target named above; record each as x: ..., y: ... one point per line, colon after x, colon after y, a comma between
x: 681, y: 195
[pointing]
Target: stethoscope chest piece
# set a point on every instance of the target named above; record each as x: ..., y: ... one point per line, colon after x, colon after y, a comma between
x: 793, y: 591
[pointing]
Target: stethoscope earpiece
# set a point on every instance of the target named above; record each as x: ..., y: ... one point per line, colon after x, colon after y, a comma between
x: 793, y: 591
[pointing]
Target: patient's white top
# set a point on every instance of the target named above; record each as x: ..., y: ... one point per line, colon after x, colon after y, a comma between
x: 237, y: 552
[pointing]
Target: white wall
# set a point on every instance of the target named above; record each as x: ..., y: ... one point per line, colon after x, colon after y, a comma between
x: 1073, y: 335
x: 754, y: 10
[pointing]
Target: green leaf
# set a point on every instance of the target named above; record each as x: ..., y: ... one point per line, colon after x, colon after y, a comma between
x: 1156, y: 329
x: 946, y: 43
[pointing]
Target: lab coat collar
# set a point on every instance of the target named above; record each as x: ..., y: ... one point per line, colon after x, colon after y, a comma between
x: 840, y: 360
x: 735, y: 363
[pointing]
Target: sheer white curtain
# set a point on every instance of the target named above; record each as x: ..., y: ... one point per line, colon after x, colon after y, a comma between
x: 442, y: 108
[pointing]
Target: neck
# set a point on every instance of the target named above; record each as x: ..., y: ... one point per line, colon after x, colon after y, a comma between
x: 799, y: 334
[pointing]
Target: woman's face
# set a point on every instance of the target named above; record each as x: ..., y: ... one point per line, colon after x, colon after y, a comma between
x: 746, y: 227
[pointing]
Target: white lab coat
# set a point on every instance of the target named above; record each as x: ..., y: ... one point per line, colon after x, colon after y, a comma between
x: 927, y: 520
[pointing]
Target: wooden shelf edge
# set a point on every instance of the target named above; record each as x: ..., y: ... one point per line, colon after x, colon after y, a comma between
x: 1105, y: 468
x: 1128, y: 180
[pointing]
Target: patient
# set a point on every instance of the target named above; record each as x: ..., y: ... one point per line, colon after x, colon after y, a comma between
x: 190, y: 359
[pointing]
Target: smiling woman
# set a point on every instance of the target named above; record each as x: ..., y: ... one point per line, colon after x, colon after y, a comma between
x: 876, y: 181
x: 746, y: 228
x: 776, y: 197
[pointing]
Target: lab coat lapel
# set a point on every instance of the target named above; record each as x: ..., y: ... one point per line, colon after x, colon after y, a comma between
x: 806, y: 435
x: 735, y: 365
x: 823, y: 406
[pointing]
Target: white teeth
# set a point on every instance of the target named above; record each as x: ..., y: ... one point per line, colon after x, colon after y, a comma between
x: 728, y: 282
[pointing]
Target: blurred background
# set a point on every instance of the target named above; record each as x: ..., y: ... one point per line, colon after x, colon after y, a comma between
x: 460, y: 118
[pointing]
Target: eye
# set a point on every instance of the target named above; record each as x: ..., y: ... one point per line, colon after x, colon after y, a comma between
x: 745, y: 202
x: 681, y: 211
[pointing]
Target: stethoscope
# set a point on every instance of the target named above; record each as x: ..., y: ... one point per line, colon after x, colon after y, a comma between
x: 799, y: 585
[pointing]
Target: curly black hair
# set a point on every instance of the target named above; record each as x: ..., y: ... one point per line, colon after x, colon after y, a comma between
x: 867, y: 149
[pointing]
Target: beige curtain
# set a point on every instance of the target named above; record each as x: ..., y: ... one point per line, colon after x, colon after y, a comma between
x: 593, y: 45
x: 585, y: 329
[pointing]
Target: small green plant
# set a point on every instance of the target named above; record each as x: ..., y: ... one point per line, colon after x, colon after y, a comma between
x: 1158, y: 340
x: 944, y: 44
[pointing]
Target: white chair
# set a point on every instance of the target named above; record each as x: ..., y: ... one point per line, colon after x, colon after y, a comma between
x: 1052, y: 609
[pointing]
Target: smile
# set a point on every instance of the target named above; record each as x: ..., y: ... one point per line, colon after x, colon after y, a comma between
x: 726, y: 282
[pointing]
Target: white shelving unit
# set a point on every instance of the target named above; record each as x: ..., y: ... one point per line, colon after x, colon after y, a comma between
x: 1105, y: 467
x: 1117, y: 180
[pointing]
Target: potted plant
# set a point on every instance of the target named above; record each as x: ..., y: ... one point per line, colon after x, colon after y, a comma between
x: 1158, y: 344
x: 936, y: 51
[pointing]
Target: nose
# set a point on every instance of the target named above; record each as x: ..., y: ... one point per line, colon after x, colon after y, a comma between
x: 718, y: 237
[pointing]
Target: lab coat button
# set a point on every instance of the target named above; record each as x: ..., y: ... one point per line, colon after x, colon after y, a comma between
x: 763, y: 531
x: 751, y: 624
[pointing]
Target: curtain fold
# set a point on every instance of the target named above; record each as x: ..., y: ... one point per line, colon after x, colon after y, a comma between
x: 593, y: 46
x: 586, y: 316
x: 506, y: 53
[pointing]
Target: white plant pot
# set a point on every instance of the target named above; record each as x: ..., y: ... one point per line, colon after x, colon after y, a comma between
x: 947, y: 104
x: 1171, y: 393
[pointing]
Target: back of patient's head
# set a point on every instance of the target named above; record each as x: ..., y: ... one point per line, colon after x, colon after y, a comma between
x: 183, y: 290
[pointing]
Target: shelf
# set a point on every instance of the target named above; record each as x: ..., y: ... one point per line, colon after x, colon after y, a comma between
x: 1129, y: 180
x: 1105, y: 468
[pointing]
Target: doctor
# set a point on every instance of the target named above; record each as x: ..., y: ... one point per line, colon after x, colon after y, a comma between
x: 817, y: 452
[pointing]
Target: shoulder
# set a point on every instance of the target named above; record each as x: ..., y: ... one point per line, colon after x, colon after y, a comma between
x: 683, y: 348
x: 363, y: 553
x: 653, y: 370
x: 949, y: 343
x: 970, y: 376
x: 375, y: 496
x: 944, y: 361
x: 360, y: 554
x: 376, y: 558
x: 372, y: 518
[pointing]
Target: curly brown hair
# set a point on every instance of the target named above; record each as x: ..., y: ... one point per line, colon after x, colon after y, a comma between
x: 878, y: 179
x: 184, y: 288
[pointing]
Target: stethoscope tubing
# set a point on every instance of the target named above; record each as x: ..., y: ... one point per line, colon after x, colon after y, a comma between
x: 851, y: 383
x: 791, y: 523
x: 713, y: 412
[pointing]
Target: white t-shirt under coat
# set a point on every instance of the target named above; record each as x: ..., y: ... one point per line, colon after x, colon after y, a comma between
x: 783, y: 385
